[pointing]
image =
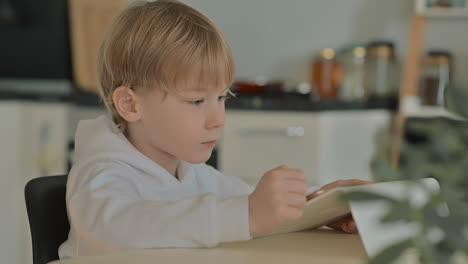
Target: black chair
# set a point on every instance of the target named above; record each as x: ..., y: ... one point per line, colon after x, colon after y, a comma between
x: 47, y: 213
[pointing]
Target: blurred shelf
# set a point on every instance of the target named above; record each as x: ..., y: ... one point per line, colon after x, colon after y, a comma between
x: 432, y: 111
x: 444, y: 12
x: 74, y: 97
x: 293, y: 103
x: 422, y: 9
x: 83, y: 98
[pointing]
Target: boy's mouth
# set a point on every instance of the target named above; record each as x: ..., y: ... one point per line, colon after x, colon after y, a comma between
x: 210, y: 143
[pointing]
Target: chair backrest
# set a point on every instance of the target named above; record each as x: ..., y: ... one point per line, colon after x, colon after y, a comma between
x: 47, y: 213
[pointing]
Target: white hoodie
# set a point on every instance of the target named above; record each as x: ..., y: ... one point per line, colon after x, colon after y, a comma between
x: 117, y: 198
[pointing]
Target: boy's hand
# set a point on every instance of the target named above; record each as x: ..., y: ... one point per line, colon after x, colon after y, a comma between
x: 278, y: 197
x: 345, y: 224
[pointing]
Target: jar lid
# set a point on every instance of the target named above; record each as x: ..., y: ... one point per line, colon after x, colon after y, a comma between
x: 438, y: 57
x: 381, y: 43
x: 355, y: 50
x: 439, y: 53
x: 327, y: 54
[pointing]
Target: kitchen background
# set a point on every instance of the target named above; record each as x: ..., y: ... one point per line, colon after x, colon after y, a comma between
x: 306, y: 79
x: 277, y: 38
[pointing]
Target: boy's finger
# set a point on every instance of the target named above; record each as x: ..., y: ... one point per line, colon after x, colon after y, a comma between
x: 337, y: 184
x: 315, y: 194
x: 277, y: 168
x: 294, y: 174
x: 281, y: 167
x: 335, y: 226
x: 349, y: 227
x: 345, y: 224
x: 342, y: 183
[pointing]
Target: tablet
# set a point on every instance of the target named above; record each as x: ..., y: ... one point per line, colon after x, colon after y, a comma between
x: 318, y: 212
x: 330, y: 207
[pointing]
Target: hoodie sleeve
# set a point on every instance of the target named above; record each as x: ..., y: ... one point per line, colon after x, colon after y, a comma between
x: 109, y: 209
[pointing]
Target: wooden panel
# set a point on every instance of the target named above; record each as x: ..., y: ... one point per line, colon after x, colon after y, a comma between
x: 413, y: 58
x: 410, y: 82
x: 90, y: 20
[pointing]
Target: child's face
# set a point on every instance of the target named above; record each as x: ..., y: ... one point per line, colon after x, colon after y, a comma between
x: 183, y: 126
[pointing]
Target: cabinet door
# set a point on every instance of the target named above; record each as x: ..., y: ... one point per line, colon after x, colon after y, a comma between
x: 255, y: 142
x: 14, y: 229
x: 33, y: 144
x: 347, y: 143
x: 45, y: 139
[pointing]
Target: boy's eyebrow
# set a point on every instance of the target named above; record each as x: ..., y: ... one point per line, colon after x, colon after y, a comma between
x: 196, y: 89
x: 203, y: 89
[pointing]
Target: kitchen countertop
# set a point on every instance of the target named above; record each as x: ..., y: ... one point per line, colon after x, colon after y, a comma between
x: 298, y: 103
x: 277, y: 103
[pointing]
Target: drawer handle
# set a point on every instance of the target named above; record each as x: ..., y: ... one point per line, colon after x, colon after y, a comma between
x: 290, y: 131
x: 295, y: 131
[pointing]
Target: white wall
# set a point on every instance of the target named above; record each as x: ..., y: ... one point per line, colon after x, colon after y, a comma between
x: 277, y: 38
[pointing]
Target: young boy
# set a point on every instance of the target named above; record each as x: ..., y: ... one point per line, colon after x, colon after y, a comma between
x: 139, y: 180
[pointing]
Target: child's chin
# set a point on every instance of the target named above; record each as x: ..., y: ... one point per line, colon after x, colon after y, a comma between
x: 197, y: 159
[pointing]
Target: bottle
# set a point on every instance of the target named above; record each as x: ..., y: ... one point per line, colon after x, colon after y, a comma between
x: 436, y: 76
x: 326, y: 74
x: 382, y: 70
x: 353, y: 87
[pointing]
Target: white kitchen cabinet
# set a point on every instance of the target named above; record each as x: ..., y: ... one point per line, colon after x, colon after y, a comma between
x: 256, y: 141
x: 347, y: 143
x: 327, y: 145
x: 33, y: 140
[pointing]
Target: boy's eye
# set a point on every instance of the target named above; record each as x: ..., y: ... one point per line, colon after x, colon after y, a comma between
x: 223, y: 98
x: 197, y: 102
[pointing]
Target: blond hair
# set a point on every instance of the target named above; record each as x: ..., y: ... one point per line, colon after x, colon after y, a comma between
x: 157, y: 45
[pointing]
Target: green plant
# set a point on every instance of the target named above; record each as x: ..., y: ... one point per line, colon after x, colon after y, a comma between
x: 432, y: 147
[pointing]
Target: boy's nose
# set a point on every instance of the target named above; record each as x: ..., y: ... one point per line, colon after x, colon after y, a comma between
x: 215, y: 119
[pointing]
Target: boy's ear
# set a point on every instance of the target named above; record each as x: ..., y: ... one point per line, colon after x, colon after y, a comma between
x: 125, y: 102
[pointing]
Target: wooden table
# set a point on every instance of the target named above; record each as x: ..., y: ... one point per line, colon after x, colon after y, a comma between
x: 316, y: 246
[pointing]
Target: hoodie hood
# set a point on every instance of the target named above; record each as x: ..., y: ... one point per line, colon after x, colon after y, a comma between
x: 100, y: 139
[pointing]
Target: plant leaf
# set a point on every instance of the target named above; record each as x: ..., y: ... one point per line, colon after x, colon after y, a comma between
x: 400, y: 211
x: 390, y: 254
x: 455, y: 100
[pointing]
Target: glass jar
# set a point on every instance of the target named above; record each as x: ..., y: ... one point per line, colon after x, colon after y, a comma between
x: 326, y: 74
x: 382, y: 70
x: 353, y: 86
x: 446, y: 3
x: 436, y: 76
